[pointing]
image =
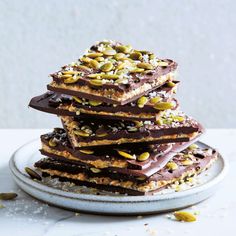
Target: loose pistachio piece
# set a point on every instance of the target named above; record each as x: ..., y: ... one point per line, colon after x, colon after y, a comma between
x: 66, y: 76
x: 126, y: 155
x: 185, y: 216
x: 106, y: 67
x: 96, y: 82
x: 86, y: 151
x: 193, y: 146
x: 81, y: 133
x: 123, y: 49
x: 142, y: 101
x: 79, y: 100
x: 94, y: 55
x: 163, y: 106
x: 95, y: 170
x: 97, y: 76
x: 155, y: 100
x: 94, y: 103
x: 52, y: 143
x: 7, y: 196
x: 71, y: 80
x: 118, y: 56
x: 170, y: 84
x: 107, y: 76
x: 109, y: 52
x: 136, y: 55
x: 32, y: 173
x: 144, y: 156
x: 94, y: 64
x: 145, y: 65
x: 187, y: 162
x: 172, y: 165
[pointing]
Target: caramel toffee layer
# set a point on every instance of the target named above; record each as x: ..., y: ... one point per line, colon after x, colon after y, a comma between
x: 113, y: 73
x: 172, y: 126
x: 148, y: 107
x: 136, y: 161
x: 184, y: 165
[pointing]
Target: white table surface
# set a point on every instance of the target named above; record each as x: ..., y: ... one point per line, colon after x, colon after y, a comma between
x: 27, y: 216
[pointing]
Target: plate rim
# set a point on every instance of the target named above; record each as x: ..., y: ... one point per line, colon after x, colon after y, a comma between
x: 114, y: 199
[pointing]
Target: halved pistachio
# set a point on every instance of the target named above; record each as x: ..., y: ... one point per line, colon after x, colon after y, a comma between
x: 142, y: 101
x: 94, y: 64
x: 119, y: 55
x: 162, y: 63
x: 172, y: 165
x: 144, y: 156
x: 85, y: 59
x: 187, y: 162
x: 123, y: 48
x: 7, y: 196
x: 145, y: 65
x: 94, y: 54
x: 79, y: 100
x: 136, y: 55
x: 185, y: 216
x: 52, y: 143
x: 94, y: 103
x: 121, y: 66
x: 178, y: 118
x: 126, y: 155
x: 122, y: 80
x: 155, y: 100
x: 69, y: 72
x: 86, y: 151
x: 95, y: 170
x: 132, y: 129
x: 159, y: 122
x: 95, y: 76
x: 152, y: 56
x: 108, y: 76
x: 86, y: 129
x: 81, y: 133
x: 101, y: 134
x: 32, y: 173
x: 82, y: 67
x: 137, y: 70
x: 96, y: 82
x: 66, y: 76
x: 170, y: 84
x: 163, y: 106
x: 109, y: 52
x: 71, y: 80
x: 106, y: 67
x: 193, y: 146
x: 99, y: 59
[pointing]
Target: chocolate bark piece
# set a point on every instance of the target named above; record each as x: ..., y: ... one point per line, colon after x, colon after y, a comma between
x: 57, y: 146
x: 116, y: 77
x: 174, y: 126
x: 188, y: 163
x: 66, y: 105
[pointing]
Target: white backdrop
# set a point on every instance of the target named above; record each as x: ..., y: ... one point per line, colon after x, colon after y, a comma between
x: 37, y: 37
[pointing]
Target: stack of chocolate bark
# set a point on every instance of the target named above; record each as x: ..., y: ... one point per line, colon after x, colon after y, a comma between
x: 122, y: 127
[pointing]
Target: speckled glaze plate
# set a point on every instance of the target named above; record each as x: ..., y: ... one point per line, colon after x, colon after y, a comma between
x: 79, y: 200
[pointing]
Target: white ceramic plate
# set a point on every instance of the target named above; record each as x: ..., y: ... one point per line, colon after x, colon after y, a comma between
x: 112, y: 204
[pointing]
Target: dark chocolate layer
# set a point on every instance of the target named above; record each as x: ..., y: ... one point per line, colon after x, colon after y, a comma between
x: 61, y: 104
x: 93, y: 132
